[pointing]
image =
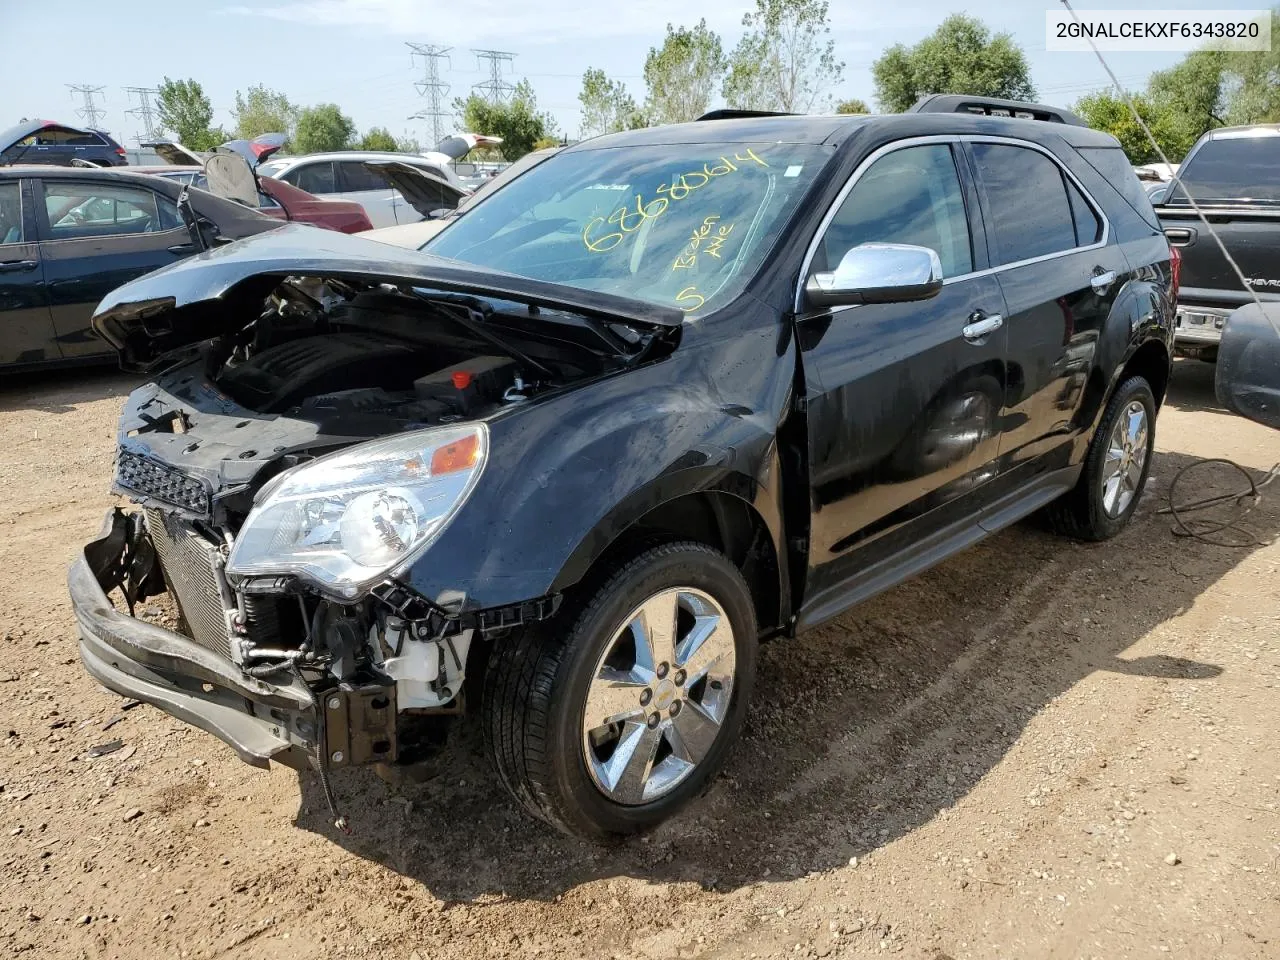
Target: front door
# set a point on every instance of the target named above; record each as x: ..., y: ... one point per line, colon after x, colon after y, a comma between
x: 903, y: 399
x: 95, y: 236
x: 26, y: 328
x: 1059, y: 272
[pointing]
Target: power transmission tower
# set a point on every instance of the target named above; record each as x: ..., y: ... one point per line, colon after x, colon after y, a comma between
x: 431, y: 87
x: 495, y: 89
x: 143, y: 110
x: 91, y: 112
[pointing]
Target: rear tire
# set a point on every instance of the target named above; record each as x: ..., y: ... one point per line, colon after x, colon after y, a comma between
x: 1115, y: 468
x: 599, y: 738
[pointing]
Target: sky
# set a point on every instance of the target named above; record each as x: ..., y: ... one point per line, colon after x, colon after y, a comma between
x: 354, y: 53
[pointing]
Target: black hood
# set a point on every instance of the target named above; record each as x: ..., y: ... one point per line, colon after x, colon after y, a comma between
x: 222, y: 289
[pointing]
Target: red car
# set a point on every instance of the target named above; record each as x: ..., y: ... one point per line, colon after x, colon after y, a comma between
x: 275, y: 197
x: 281, y: 200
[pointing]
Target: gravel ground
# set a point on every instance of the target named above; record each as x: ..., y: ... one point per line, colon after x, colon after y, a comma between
x: 1037, y: 749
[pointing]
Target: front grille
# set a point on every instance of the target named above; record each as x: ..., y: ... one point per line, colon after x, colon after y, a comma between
x: 188, y: 561
x: 149, y: 478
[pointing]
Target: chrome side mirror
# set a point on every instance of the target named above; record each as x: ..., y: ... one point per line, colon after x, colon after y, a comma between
x: 878, y: 273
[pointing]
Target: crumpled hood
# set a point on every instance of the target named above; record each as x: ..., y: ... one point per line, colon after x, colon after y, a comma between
x: 222, y: 289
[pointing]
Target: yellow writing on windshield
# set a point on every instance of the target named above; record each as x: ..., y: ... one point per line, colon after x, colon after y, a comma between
x: 632, y: 215
x: 690, y: 299
x: 703, y: 234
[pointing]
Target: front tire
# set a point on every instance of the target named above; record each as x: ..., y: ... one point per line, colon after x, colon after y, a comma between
x: 609, y: 718
x: 1115, y: 468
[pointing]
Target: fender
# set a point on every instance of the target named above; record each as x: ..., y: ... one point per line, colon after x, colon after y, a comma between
x: 568, y: 473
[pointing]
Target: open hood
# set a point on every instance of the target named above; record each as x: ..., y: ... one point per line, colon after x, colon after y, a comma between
x: 173, y: 153
x: 460, y: 144
x: 425, y: 192
x: 207, y: 295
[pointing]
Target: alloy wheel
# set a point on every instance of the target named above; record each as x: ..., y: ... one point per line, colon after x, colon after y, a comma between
x: 658, y: 696
x: 1126, y: 457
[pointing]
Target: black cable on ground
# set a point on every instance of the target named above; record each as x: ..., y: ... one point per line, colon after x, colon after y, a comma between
x: 1219, y: 533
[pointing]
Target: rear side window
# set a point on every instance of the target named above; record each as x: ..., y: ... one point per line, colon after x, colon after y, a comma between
x: 1114, y: 167
x: 1088, y: 226
x: 1231, y: 169
x: 10, y: 212
x: 1031, y: 215
x: 317, y: 178
x: 911, y: 196
x: 356, y: 176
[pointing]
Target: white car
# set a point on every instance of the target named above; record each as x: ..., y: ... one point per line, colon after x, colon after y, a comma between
x: 343, y: 176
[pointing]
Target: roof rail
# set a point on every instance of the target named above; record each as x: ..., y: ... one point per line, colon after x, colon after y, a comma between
x: 729, y: 114
x: 993, y: 107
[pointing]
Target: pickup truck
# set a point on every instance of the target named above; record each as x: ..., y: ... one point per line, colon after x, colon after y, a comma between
x: 1233, y: 175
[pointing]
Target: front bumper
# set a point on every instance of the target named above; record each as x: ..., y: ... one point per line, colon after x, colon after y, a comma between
x: 261, y: 721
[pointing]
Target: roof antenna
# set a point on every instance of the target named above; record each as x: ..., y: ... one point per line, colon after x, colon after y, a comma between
x: 1124, y: 95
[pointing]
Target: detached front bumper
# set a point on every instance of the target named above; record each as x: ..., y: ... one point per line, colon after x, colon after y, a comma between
x: 261, y: 721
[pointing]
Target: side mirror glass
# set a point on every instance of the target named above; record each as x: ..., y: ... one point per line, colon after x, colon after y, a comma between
x: 878, y: 273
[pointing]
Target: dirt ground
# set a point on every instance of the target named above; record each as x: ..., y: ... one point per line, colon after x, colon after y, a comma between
x: 1037, y: 749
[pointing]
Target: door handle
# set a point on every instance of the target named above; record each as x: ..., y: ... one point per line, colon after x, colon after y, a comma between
x: 1179, y: 236
x: 1101, y: 282
x: 183, y: 248
x: 981, y: 325
x: 18, y: 266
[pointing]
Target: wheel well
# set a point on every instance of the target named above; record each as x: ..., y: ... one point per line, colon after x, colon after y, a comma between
x: 1150, y: 361
x: 722, y: 522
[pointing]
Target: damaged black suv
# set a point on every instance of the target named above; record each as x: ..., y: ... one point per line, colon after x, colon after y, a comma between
x: 666, y: 395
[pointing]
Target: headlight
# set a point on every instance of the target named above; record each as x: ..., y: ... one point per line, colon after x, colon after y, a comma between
x: 351, y: 518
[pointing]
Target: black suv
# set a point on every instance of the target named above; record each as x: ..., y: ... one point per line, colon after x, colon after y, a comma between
x: 669, y: 394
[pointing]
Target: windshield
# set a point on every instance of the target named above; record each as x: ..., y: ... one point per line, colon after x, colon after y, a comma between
x: 1232, y: 169
x: 681, y: 225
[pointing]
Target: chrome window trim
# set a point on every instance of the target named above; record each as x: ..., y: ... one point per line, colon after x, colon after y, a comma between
x: 949, y: 139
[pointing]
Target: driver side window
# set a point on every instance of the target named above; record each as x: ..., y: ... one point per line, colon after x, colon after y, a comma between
x: 912, y: 195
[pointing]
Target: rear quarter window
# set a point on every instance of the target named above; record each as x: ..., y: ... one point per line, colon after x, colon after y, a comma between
x: 1114, y: 167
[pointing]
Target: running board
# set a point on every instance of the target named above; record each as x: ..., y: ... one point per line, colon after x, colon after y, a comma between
x: 935, y: 548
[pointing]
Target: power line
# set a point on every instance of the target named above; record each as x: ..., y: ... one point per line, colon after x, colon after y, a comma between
x: 90, y: 111
x: 495, y: 89
x: 431, y: 87
x: 143, y: 110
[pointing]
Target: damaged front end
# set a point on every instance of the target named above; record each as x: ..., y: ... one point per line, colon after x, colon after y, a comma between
x: 317, y: 436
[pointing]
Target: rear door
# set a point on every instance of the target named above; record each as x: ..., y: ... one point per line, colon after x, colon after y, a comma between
x: 366, y: 188
x: 96, y: 235
x: 903, y: 399
x: 26, y: 327
x: 1059, y: 271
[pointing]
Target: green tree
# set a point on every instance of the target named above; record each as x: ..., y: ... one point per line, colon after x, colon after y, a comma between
x: 682, y: 75
x: 1107, y: 112
x: 517, y: 121
x: 378, y: 138
x: 786, y: 59
x: 543, y: 143
x: 1252, y: 83
x: 261, y: 110
x: 961, y: 56
x: 185, y: 110
x: 852, y: 106
x: 606, y: 105
x: 408, y: 144
x: 322, y: 128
